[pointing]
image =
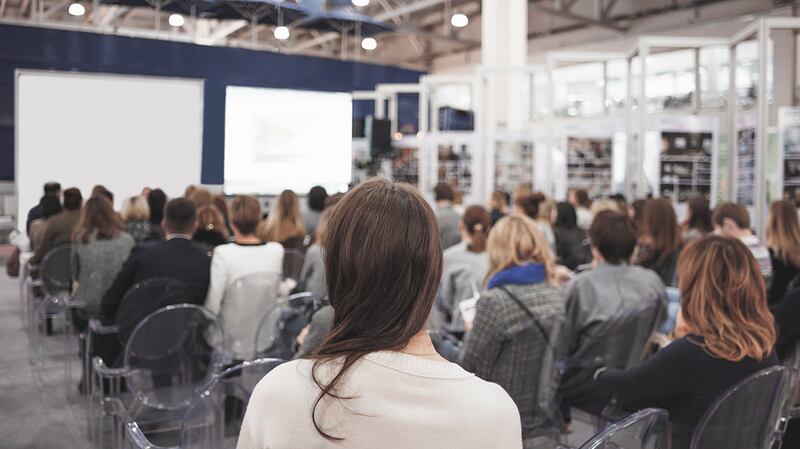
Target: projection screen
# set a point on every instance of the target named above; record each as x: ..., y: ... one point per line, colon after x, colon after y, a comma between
x: 124, y: 132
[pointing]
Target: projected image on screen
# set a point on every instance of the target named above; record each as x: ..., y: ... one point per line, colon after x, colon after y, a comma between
x: 277, y: 139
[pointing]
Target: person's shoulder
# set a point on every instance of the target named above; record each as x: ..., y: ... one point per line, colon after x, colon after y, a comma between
x: 284, y: 382
x: 496, y: 404
x: 455, y: 251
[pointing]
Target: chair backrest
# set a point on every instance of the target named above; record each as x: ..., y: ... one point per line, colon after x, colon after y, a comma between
x: 55, y: 271
x: 754, y: 408
x: 146, y: 297
x: 646, y: 429
x: 218, y: 409
x: 275, y: 336
x: 247, y: 299
x: 293, y: 264
x: 171, y: 353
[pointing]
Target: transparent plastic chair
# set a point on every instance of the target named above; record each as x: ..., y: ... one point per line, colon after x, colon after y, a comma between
x: 246, y: 300
x: 646, y: 429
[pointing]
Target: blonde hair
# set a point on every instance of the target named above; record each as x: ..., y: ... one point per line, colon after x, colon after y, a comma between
x: 211, y: 219
x: 724, y: 299
x: 546, y: 209
x: 245, y: 214
x: 284, y: 220
x: 135, y: 208
x: 605, y: 204
x: 516, y: 240
x: 783, y: 232
x: 201, y: 197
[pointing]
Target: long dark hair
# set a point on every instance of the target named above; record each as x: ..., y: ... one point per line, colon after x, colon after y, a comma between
x: 383, y: 262
x: 98, y: 216
x: 699, y: 214
x: 567, y: 217
x: 661, y: 225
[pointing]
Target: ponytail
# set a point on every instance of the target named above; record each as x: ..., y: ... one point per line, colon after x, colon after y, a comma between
x: 476, y: 222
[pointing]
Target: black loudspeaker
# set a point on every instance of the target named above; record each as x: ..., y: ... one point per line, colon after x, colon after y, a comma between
x: 379, y: 136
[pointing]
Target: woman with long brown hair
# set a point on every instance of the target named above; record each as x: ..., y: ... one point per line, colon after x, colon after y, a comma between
x: 725, y: 333
x: 515, y: 317
x: 377, y: 381
x: 783, y: 241
x: 698, y: 219
x: 284, y: 223
x: 660, y: 240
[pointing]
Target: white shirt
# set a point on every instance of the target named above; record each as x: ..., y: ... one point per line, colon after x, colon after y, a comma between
x: 399, y: 401
x: 584, y: 217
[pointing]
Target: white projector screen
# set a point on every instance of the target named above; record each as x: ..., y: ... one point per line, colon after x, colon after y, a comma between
x: 125, y: 132
x: 277, y: 139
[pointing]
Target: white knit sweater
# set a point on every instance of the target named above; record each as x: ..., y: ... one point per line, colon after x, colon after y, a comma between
x: 399, y: 401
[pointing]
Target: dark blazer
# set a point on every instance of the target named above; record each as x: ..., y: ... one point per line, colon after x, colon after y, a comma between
x: 177, y: 258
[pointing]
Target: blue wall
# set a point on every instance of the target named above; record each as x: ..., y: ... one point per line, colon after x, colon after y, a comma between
x: 40, y: 48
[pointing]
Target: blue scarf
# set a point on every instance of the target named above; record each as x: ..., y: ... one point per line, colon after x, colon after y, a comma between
x: 530, y: 273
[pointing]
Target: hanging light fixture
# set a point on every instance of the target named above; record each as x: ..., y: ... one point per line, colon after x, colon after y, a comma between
x: 281, y: 33
x: 176, y: 20
x: 76, y: 9
x: 459, y: 20
x: 360, y: 2
x: 369, y: 43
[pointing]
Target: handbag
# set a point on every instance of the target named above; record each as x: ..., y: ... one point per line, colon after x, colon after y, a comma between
x: 12, y: 263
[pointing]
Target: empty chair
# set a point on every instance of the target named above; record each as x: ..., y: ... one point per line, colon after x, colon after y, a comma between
x: 245, y: 302
x: 646, y: 429
x: 751, y: 415
x: 280, y: 325
x: 55, y: 281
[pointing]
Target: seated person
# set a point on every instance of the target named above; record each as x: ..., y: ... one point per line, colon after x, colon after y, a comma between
x: 177, y: 257
x: 60, y: 226
x: 596, y: 297
x: 50, y: 189
x: 314, y: 334
x: 725, y: 333
x: 733, y: 220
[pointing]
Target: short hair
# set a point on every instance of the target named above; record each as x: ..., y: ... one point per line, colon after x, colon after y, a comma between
x: 156, y: 200
x: 135, y: 208
x: 443, y: 192
x: 245, y: 214
x: 73, y: 199
x: 52, y: 188
x: 102, y: 191
x: 51, y: 205
x: 529, y: 203
x: 316, y: 198
x: 179, y: 216
x: 613, y: 234
x: 733, y: 211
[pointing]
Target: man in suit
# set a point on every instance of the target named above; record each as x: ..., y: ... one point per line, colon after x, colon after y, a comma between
x: 177, y: 257
x: 60, y: 226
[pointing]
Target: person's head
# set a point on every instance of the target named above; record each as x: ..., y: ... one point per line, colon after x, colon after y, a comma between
x: 622, y: 202
x: 316, y: 198
x: 516, y: 240
x: 245, y: 215
x: 98, y: 219
x: 73, y: 200
x: 321, y: 231
x: 201, y: 197
x: 474, y: 228
x: 284, y: 220
x: 179, y: 217
x: 222, y: 207
x: 604, y: 205
x: 660, y: 225
x: 637, y: 213
x: 566, y: 218
x: 50, y: 205
x: 547, y: 212
x: 383, y: 263
x: 613, y: 237
x: 783, y: 232
x: 699, y: 214
x: 156, y: 200
x: 189, y: 190
x: 723, y: 299
x: 580, y: 198
x: 209, y: 218
x: 443, y: 193
x: 135, y: 208
x: 731, y: 220
x: 499, y: 201
x: 527, y: 204
x: 52, y: 189
x: 102, y: 191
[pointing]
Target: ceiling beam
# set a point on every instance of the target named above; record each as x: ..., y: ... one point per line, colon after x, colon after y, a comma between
x: 58, y: 7
x: 436, y: 37
x: 602, y: 23
x: 415, y: 42
x: 223, y: 31
x: 2, y: 7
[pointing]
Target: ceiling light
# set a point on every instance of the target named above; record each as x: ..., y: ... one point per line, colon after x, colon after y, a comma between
x: 369, y: 44
x: 361, y: 2
x: 281, y: 33
x: 176, y: 20
x: 76, y: 9
x: 459, y: 20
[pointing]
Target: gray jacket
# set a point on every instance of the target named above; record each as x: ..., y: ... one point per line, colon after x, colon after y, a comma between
x: 447, y: 219
x: 95, y: 265
x: 463, y: 274
x: 312, y: 276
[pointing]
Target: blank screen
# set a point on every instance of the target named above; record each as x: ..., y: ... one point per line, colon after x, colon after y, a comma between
x: 277, y: 139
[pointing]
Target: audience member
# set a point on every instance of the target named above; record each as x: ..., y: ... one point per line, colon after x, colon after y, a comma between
x: 724, y: 334
x: 601, y: 205
x: 177, y: 257
x: 447, y: 218
x: 660, y: 240
x: 312, y: 276
x: 49, y: 205
x: 528, y: 204
x: 315, y: 333
x: 465, y: 267
x: 499, y: 206
x: 60, y: 226
x: 698, y: 219
x: 733, y: 220
x: 514, y: 317
x: 377, y: 373
x: 135, y: 214
x: 190, y: 189
x: 156, y: 200
x: 622, y: 202
x: 579, y: 199
x: 201, y: 197
x: 102, y: 191
x: 637, y: 213
x: 783, y: 241
x: 572, y: 245
x: 50, y: 189
x: 100, y: 247
x: 210, y: 228
x: 284, y: 223
x: 316, y: 203
x: 611, y: 290
x: 222, y: 206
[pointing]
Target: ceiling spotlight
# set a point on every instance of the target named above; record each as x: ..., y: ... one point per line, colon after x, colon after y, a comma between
x: 361, y: 2
x: 76, y: 9
x: 459, y: 20
x: 176, y: 20
x: 369, y: 44
x: 281, y: 33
